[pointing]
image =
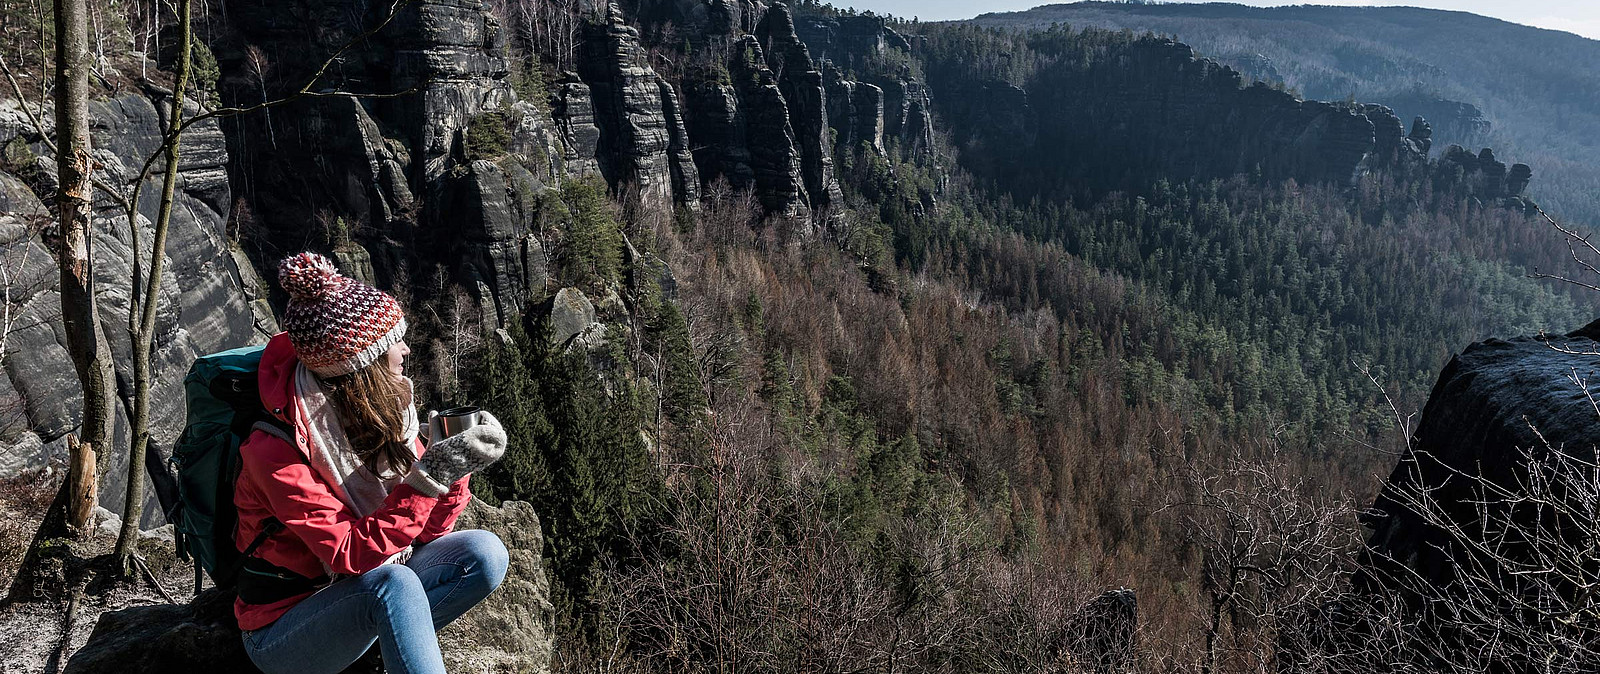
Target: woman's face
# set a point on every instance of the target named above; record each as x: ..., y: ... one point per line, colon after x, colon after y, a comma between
x: 396, y: 358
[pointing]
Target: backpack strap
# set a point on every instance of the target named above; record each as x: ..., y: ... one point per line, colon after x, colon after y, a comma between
x: 270, y: 526
x: 276, y: 428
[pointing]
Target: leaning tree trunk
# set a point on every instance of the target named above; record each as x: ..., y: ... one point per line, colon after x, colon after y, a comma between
x: 143, y: 335
x: 86, y: 340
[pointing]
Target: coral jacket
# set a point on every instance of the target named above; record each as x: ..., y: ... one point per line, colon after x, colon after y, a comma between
x: 276, y: 480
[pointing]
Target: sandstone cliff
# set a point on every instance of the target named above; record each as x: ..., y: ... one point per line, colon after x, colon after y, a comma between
x: 206, y: 300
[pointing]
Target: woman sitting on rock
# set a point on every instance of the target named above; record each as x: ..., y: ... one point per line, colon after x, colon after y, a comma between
x: 358, y: 513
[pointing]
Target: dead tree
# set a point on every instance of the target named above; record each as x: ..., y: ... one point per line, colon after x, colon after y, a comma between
x: 86, y: 339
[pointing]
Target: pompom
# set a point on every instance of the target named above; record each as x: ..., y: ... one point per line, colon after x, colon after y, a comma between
x: 309, y: 276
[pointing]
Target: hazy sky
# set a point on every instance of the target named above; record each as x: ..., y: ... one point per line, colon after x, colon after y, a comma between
x: 1575, y: 16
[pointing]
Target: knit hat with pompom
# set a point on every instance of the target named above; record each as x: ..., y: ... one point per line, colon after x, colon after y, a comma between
x: 337, y: 324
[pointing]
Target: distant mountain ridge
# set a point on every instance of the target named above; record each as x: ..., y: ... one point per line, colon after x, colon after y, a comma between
x: 1529, y: 92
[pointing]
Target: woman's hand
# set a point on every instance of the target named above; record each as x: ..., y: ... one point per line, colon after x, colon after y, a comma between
x: 450, y: 459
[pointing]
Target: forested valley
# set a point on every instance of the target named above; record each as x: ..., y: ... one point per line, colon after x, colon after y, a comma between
x: 834, y: 342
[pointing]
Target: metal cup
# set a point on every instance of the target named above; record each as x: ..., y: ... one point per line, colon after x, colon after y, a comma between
x: 456, y: 419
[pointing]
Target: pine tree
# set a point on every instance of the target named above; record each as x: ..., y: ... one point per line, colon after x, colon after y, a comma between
x: 594, y: 239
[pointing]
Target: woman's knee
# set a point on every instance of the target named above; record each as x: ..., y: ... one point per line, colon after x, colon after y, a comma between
x: 393, y: 580
x: 489, y: 555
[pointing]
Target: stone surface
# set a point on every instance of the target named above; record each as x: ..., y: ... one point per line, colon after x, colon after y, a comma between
x: 848, y: 40
x: 204, y: 305
x: 513, y: 630
x: 636, y: 145
x: 1491, y: 402
x: 770, y: 138
x: 801, y: 85
x: 855, y: 111
x: 392, y: 167
x: 570, y: 313
x: 574, y: 116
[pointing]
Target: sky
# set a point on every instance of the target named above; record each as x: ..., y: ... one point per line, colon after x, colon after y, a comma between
x: 1574, y: 16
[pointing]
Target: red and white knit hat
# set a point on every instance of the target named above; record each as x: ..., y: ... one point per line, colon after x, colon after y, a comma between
x: 337, y: 324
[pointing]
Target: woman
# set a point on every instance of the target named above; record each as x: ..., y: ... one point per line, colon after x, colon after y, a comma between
x: 357, y: 514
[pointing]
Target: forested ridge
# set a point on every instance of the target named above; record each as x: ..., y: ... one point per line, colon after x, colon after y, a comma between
x: 1479, y: 80
x: 925, y: 401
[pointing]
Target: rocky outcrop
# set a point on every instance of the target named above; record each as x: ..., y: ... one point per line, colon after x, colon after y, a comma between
x: 1104, y: 632
x: 511, y: 631
x: 393, y: 168
x: 643, y: 144
x: 1482, y: 174
x: 801, y: 85
x: 570, y: 314
x: 848, y: 40
x: 1421, y: 136
x: 699, y: 21
x: 1453, y: 119
x: 855, y: 111
x: 770, y: 138
x: 685, y: 177
x: 205, y: 299
x: 717, y: 123
x: 574, y: 116
x: 1492, y: 402
x: 492, y: 203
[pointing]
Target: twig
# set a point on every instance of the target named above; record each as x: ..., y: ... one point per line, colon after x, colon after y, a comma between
x: 138, y: 560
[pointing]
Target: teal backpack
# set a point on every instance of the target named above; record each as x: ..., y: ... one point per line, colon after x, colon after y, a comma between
x: 224, y: 406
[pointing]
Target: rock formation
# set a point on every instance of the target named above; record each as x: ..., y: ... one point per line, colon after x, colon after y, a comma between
x: 700, y: 21
x: 207, y: 298
x: 855, y: 111
x: 717, y: 123
x: 1453, y: 119
x: 642, y: 140
x: 1492, y: 402
x: 1485, y: 176
x: 879, y: 105
x: 770, y: 138
x: 848, y: 40
x: 801, y: 85
x: 387, y: 166
x: 574, y: 116
x: 1106, y: 632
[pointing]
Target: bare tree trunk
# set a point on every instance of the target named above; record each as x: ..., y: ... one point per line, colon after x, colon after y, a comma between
x: 86, y: 340
x: 133, y: 506
x: 82, y: 488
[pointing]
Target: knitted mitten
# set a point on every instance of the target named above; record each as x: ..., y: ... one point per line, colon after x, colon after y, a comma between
x: 452, y: 458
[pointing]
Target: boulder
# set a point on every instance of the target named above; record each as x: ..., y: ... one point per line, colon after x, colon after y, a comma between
x: 513, y: 630
x: 200, y: 636
x: 1491, y: 402
x: 1105, y: 632
x: 570, y: 313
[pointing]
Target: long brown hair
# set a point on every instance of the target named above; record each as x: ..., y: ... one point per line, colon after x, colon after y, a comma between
x: 369, y: 402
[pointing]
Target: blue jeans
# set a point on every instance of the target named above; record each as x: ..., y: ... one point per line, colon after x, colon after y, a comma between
x: 399, y: 606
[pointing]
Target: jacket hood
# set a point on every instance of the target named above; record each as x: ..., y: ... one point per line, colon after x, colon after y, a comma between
x: 275, y: 379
